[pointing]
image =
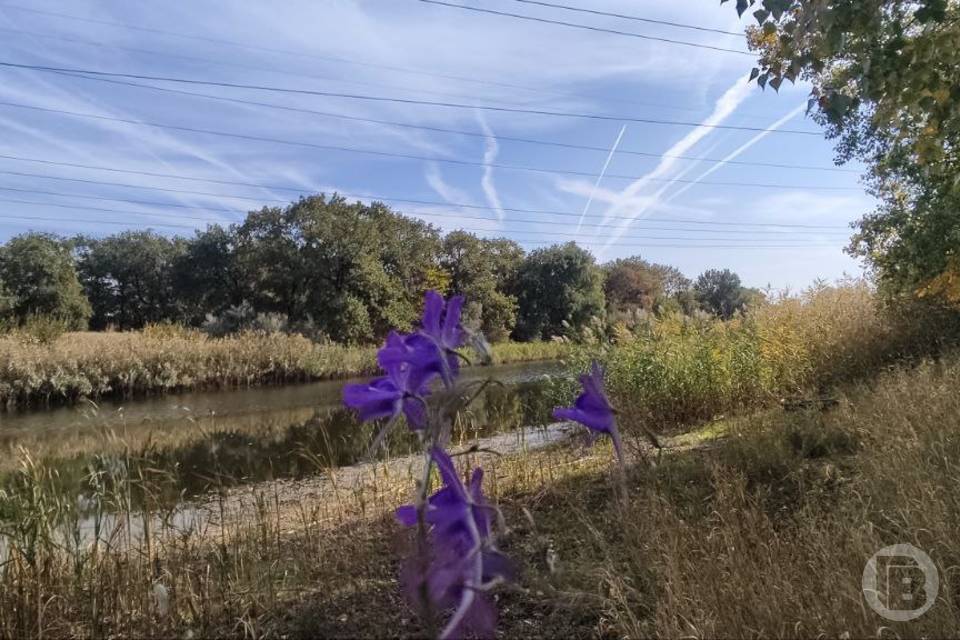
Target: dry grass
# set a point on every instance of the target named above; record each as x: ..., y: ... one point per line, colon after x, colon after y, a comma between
x: 754, y: 526
x: 766, y: 533
x: 680, y: 370
x: 761, y: 528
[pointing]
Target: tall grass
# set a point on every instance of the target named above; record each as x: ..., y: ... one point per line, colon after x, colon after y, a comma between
x: 678, y: 370
x: 768, y: 534
x: 762, y: 531
x: 765, y: 532
x: 163, y: 359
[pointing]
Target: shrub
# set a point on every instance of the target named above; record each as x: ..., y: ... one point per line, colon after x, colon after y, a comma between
x: 679, y: 369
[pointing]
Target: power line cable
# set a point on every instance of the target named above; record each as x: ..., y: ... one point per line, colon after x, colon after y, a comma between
x: 161, y: 54
x: 512, y: 220
x: 576, y: 25
x: 461, y: 132
x: 247, y: 67
x: 521, y: 241
x: 408, y: 156
x: 611, y: 14
x: 381, y: 197
x: 392, y: 99
x: 287, y: 52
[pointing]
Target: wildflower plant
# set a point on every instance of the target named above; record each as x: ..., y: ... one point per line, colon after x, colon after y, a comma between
x: 457, y: 561
x: 592, y: 409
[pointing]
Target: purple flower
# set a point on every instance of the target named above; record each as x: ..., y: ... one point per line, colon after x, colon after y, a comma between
x: 592, y: 409
x: 401, y: 390
x: 463, y: 562
x: 414, y: 353
x: 441, y: 327
x: 441, y: 321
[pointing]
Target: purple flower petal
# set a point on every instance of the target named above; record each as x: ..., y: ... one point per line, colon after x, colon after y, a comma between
x: 377, y: 399
x: 462, y: 559
x: 453, y: 334
x: 432, y: 311
x: 406, y: 515
x: 592, y: 409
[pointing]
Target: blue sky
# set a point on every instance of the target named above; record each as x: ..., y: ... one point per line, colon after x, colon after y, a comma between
x: 677, y: 211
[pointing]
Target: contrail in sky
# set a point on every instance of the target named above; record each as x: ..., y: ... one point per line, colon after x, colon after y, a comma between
x: 739, y: 150
x: 596, y: 185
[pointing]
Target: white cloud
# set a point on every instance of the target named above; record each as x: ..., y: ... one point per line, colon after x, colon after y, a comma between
x: 445, y: 190
x: 724, y: 107
x: 489, y: 157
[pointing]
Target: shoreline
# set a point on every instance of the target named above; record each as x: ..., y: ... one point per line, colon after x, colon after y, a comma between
x: 109, y: 366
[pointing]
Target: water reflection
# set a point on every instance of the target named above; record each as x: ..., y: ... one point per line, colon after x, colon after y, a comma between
x: 167, y: 449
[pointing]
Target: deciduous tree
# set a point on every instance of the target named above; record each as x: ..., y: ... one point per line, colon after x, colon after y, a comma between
x: 559, y: 289
x: 39, y: 276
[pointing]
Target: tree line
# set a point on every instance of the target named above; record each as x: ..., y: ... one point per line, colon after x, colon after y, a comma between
x: 338, y: 270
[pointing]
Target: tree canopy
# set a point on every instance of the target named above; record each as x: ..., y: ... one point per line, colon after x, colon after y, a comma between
x: 332, y: 269
x: 886, y: 87
x: 39, y: 278
x: 634, y: 283
x: 128, y: 278
x: 558, y: 288
x: 484, y: 271
x: 722, y: 294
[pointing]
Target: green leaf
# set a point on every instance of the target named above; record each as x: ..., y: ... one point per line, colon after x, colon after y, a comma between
x: 742, y: 5
x: 761, y: 15
x: 762, y: 80
x: 776, y: 82
x: 754, y: 73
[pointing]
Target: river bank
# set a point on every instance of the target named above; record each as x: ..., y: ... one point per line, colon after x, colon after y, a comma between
x: 732, y: 516
x: 87, y: 365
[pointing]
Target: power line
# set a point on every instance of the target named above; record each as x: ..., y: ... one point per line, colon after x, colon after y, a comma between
x: 610, y: 14
x: 461, y: 132
x: 287, y: 52
x: 248, y: 67
x: 126, y: 185
x: 381, y: 197
x: 431, y: 103
x: 88, y: 221
x: 586, y: 242
x: 512, y: 220
x: 587, y: 27
x: 63, y: 205
x: 149, y: 203
x: 408, y: 156
x: 513, y: 87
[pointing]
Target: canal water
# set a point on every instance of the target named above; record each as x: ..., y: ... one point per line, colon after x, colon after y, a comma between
x: 191, y: 443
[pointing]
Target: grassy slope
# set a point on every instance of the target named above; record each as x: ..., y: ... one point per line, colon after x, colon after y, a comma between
x: 763, y: 531
x: 757, y: 526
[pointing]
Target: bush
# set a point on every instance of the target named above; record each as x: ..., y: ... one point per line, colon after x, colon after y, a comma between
x: 42, y: 329
x: 679, y: 369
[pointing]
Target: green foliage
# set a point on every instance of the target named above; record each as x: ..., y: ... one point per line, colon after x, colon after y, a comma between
x: 329, y: 269
x: 207, y: 276
x: 885, y: 84
x: 40, y: 280
x: 483, y: 270
x: 128, y: 278
x: 679, y: 369
x: 559, y: 289
x: 632, y: 283
x: 42, y: 329
x: 721, y: 293
x: 355, y: 269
